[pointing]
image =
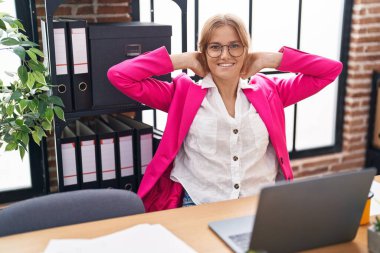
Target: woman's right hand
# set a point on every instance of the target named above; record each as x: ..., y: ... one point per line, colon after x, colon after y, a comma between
x: 198, y: 64
x: 189, y: 60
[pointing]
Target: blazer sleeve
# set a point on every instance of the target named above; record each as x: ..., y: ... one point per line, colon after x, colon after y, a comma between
x: 314, y: 73
x: 134, y: 78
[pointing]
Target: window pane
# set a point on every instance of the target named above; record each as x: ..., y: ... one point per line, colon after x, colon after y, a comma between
x: 161, y: 10
x: 289, y: 126
x: 320, y: 36
x: 316, y: 118
x: 14, y: 172
x: 144, y: 10
x: 147, y: 117
x: 161, y: 120
x: 274, y: 24
x: 209, y: 8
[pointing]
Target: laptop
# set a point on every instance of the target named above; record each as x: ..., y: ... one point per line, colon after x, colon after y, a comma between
x: 301, y: 215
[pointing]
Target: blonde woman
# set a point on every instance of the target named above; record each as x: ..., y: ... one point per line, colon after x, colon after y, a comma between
x: 224, y: 137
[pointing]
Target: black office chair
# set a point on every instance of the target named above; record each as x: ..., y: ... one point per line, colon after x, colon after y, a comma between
x: 68, y: 208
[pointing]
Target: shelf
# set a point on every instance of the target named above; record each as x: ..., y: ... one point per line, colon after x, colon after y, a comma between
x: 109, y: 110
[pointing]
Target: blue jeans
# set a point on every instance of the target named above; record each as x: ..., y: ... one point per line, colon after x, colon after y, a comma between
x: 187, y: 201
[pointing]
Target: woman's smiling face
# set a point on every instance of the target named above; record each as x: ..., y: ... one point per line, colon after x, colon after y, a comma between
x: 225, y: 67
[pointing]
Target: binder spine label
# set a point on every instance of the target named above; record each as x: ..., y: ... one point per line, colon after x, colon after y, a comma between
x: 126, y: 156
x: 108, y: 159
x: 60, y: 51
x: 79, y: 47
x: 69, y: 167
x: 88, y: 161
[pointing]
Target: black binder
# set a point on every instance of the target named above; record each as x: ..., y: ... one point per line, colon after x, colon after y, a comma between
x: 105, y: 159
x: 79, y: 63
x: 142, y: 144
x: 62, y: 88
x: 68, y: 169
x: 124, y: 153
x: 86, y: 155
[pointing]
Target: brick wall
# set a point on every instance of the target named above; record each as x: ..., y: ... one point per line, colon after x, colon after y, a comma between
x: 364, y: 57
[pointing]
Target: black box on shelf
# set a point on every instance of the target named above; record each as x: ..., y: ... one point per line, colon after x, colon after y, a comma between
x: 111, y: 43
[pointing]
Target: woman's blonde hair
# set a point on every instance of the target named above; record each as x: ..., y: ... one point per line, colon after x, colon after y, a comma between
x: 215, y: 22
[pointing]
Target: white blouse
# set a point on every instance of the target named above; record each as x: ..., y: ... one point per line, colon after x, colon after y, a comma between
x: 224, y: 157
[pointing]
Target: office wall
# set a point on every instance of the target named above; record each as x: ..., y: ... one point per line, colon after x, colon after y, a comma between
x: 364, y: 57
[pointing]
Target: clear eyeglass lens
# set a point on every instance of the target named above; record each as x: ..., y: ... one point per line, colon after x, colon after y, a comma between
x: 235, y: 49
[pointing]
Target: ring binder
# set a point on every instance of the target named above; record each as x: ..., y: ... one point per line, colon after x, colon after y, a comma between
x: 68, y: 163
x: 142, y: 144
x: 86, y: 155
x: 124, y: 153
x: 106, y: 159
x: 62, y: 87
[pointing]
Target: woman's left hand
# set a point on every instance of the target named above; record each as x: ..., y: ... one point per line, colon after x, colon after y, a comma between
x: 252, y: 65
x: 258, y: 60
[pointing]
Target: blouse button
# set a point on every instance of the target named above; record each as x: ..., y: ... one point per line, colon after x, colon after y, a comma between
x: 235, y: 131
x: 236, y: 186
x: 235, y: 158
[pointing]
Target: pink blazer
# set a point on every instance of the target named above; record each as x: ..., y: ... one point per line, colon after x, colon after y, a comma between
x: 182, y: 98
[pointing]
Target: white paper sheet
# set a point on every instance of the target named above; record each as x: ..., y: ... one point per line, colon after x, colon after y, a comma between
x: 141, y: 238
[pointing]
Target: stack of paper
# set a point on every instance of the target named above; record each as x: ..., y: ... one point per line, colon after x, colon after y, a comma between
x: 140, y: 238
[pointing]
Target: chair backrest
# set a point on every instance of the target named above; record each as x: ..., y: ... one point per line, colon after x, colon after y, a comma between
x: 67, y: 208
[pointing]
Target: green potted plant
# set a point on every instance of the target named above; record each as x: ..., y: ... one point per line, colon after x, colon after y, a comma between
x: 26, y: 105
x: 374, y: 237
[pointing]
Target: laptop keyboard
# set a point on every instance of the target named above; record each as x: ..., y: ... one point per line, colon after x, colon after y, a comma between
x: 241, y: 240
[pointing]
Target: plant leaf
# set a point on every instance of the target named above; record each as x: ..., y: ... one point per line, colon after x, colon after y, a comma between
x: 35, y: 137
x: 42, y: 107
x: 46, y: 125
x: 2, y: 25
x: 22, y: 152
x: 31, y: 81
x: 37, y: 51
x: 49, y: 114
x: 25, y: 138
x: 19, y: 24
x: 10, y: 110
x: 36, y: 66
x: 40, y: 132
x: 10, y: 42
x: 11, y: 146
x: 56, y: 101
x: 23, y: 104
x: 39, y: 77
x: 32, y: 55
x: 28, y: 43
x: 20, y: 51
x: 22, y: 73
x: 59, y: 112
x: 16, y: 95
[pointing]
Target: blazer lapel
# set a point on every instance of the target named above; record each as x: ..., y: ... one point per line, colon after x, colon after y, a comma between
x: 193, y: 101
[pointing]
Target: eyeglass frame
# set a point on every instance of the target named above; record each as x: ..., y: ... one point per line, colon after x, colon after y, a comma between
x: 222, y: 49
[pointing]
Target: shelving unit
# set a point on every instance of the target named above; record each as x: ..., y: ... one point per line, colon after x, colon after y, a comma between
x: 50, y: 7
x: 373, y: 150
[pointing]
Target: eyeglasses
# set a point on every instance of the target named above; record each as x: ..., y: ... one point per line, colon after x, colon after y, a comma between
x: 215, y: 50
